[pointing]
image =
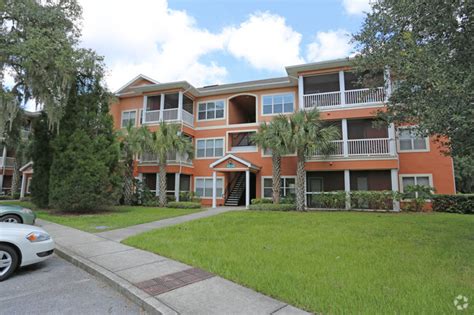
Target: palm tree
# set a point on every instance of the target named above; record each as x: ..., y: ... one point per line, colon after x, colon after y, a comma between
x: 308, y: 134
x: 168, y: 139
x: 270, y: 137
x: 133, y: 143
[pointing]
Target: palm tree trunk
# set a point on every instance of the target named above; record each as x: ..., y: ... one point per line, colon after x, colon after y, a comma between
x: 300, y: 181
x: 128, y: 183
x: 15, y: 179
x: 162, y: 197
x: 276, y: 170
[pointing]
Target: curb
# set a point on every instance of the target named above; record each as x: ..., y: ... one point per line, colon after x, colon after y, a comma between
x: 149, y: 303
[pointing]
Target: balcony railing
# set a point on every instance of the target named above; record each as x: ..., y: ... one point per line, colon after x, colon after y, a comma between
x: 348, y: 98
x: 9, y: 162
x: 360, y: 147
x: 170, y: 114
x: 172, y: 158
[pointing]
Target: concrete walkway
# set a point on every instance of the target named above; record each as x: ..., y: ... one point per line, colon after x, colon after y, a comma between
x: 158, y: 284
x: 121, y: 234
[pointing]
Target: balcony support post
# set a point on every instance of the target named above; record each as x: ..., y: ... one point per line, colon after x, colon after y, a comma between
x: 347, y: 188
x: 214, y: 189
x: 145, y: 101
x: 394, y: 177
x: 177, y: 187
x: 345, y: 138
x: 247, y: 189
x: 388, y: 83
x: 301, y: 93
x: 391, y: 139
x: 162, y: 105
x: 180, y: 106
x: 342, y: 87
x: 23, y: 186
x: 157, y: 185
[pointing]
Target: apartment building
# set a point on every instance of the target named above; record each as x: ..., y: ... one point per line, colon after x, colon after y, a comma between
x: 229, y: 169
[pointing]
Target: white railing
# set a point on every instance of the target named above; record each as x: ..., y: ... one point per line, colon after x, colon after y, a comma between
x: 337, y: 150
x: 188, y: 118
x: 9, y: 162
x: 322, y: 99
x: 338, y: 99
x: 152, y: 116
x: 377, y: 146
x: 365, y: 96
x: 172, y: 157
x: 170, y: 114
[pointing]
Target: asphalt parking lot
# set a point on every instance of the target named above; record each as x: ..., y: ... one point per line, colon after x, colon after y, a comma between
x: 57, y: 287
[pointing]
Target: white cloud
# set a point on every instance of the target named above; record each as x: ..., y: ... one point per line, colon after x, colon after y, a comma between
x: 329, y: 45
x: 265, y: 41
x: 150, y: 38
x: 356, y: 7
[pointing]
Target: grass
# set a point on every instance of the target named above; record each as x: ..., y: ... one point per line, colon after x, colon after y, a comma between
x: 334, y: 263
x: 115, y: 218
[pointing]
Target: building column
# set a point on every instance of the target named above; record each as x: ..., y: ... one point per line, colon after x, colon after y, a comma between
x: 23, y: 186
x: 162, y: 106
x: 300, y: 92
x: 347, y: 188
x: 388, y: 84
x: 157, y: 185
x: 145, y: 101
x: 392, y: 139
x: 345, y: 138
x: 247, y: 189
x: 342, y: 87
x: 180, y: 105
x: 394, y: 177
x: 177, y: 187
x: 4, y: 162
x: 214, y: 189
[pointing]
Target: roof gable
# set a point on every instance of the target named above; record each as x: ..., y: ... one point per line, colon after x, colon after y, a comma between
x: 139, y: 80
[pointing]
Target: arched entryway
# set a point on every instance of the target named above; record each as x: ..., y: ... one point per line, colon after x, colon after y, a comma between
x: 242, y: 109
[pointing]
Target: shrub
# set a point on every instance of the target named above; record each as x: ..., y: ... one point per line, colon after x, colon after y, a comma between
x: 328, y: 200
x: 258, y: 201
x: 288, y: 200
x: 184, y: 205
x: 189, y: 196
x: 454, y: 203
x: 378, y: 200
x: 272, y: 207
x: 415, y: 197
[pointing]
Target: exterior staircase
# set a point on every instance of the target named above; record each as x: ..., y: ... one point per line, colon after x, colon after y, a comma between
x: 236, y: 191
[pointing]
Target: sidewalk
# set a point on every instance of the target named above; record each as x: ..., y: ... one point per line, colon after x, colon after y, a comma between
x: 159, y: 284
x: 121, y: 234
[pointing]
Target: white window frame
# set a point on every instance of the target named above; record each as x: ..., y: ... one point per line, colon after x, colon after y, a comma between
x: 210, y: 101
x: 271, y: 177
x: 209, y: 178
x: 128, y: 111
x: 401, y: 176
x: 209, y: 157
x: 283, y: 108
x: 427, y: 141
x: 229, y: 149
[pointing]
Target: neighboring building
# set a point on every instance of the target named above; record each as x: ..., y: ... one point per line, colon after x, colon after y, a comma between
x: 221, y: 118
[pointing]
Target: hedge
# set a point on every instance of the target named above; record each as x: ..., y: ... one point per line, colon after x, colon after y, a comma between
x: 258, y: 201
x: 184, y: 205
x: 272, y: 207
x: 454, y: 203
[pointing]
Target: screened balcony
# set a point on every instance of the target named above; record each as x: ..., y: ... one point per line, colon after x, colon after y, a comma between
x: 175, y: 107
x: 172, y: 158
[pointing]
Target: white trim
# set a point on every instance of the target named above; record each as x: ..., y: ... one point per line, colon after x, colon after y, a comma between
x: 427, y: 141
x: 228, y: 104
x: 140, y: 76
x: 229, y: 151
x: 209, y: 157
x: 283, y: 104
x: 210, y: 101
x: 128, y: 111
x: 226, y: 126
x: 24, y: 167
x: 262, y: 186
x: 347, y: 107
x: 230, y: 156
x: 209, y: 177
x: 401, y: 176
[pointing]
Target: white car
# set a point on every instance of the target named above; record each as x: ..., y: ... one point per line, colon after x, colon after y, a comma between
x: 22, y: 245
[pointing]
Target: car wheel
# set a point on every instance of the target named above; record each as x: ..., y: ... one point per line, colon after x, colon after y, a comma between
x: 11, y: 218
x: 8, y: 261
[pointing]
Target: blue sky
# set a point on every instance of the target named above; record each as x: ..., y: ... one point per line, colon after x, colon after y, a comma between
x: 208, y: 42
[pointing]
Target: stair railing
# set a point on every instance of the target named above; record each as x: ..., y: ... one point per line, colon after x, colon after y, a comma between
x: 230, y: 186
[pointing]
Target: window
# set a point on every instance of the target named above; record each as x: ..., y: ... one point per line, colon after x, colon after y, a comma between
x: 409, y: 180
x: 129, y: 117
x: 287, y: 187
x: 277, y: 104
x: 209, y: 148
x: 410, y: 140
x: 204, y: 187
x: 211, y: 110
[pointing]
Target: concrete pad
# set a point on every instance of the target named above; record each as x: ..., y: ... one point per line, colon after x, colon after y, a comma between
x: 73, y: 238
x: 290, y: 310
x: 127, y: 259
x: 153, y: 270
x: 99, y: 248
x: 219, y: 296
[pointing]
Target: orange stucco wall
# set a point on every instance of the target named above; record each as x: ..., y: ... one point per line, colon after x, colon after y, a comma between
x: 432, y: 162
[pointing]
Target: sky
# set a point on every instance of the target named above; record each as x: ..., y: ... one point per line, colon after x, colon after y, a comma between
x: 213, y: 42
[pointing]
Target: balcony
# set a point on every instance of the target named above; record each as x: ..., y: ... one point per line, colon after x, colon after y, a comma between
x: 171, y: 115
x: 8, y: 162
x: 173, y: 158
x: 172, y: 107
x: 337, y: 90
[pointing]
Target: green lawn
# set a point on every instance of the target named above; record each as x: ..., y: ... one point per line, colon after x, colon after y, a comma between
x: 334, y: 263
x: 115, y: 218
